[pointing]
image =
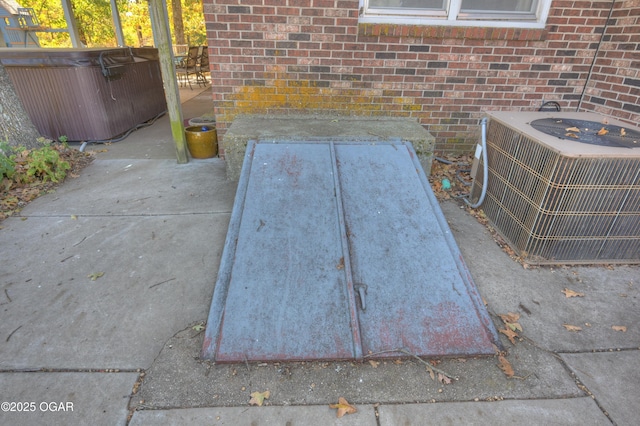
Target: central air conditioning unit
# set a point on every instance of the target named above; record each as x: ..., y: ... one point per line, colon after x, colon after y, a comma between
x: 563, y: 188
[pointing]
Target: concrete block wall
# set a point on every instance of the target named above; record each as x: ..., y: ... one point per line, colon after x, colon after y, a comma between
x: 293, y: 127
x: 312, y: 56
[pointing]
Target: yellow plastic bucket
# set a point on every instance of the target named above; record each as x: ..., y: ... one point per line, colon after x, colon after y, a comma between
x: 202, y: 141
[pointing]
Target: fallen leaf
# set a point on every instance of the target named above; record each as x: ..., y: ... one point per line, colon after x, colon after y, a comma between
x: 510, y: 317
x: 257, y: 398
x: 340, y: 264
x: 9, y: 203
x: 514, y: 326
x: 496, y: 350
x: 431, y: 373
x: 570, y: 327
x: 602, y: 132
x: 572, y: 129
x: 570, y: 293
x: 623, y: 132
x: 74, y: 217
x: 572, y: 135
x: 95, y: 275
x: 619, y: 328
x: 511, y: 335
x: 343, y: 407
x: 198, y: 327
x: 505, y: 366
x: 444, y: 379
x: 373, y: 363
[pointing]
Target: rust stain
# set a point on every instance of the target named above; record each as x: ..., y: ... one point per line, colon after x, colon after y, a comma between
x: 290, y: 164
x: 445, y: 335
x: 284, y: 95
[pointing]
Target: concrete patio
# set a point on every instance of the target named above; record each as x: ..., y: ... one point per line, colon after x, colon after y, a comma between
x: 105, y: 285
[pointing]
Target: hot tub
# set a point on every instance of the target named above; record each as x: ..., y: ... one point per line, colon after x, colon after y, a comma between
x: 86, y: 94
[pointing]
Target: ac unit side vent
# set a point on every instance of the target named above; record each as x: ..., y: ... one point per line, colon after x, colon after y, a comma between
x: 555, y: 207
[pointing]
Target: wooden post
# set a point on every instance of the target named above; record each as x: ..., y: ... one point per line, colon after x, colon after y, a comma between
x: 72, y: 26
x: 117, y: 25
x: 162, y: 38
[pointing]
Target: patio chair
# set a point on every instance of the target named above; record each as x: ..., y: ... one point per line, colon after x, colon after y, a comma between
x: 189, y: 66
x: 180, y: 49
x: 202, y: 67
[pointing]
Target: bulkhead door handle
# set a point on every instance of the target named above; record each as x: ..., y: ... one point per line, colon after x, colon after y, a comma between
x: 362, y: 292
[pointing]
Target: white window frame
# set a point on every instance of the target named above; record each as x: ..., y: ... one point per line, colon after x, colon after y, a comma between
x: 449, y: 17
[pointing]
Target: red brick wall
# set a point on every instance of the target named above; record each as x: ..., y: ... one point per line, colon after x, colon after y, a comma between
x: 614, y: 86
x: 311, y: 56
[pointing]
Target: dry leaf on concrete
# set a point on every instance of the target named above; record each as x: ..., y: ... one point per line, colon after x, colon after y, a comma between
x: 570, y: 293
x: 257, y: 398
x: 505, y: 366
x: 512, y: 326
x: 444, y: 379
x: 619, y: 328
x: 431, y: 373
x: 343, y: 407
x: 94, y: 276
x: 510, y: 317
x: 511, y: 335
x: 570, y: 327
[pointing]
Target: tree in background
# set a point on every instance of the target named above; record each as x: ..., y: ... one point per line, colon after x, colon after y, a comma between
x: 96, y: 26
x: 50, y: 15
x: 194, y: 28
x: 178, y: 27
x: 16, y: 126
x: 136, y: 25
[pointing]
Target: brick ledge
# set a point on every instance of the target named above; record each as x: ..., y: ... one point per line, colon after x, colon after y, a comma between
x: 447, y: 32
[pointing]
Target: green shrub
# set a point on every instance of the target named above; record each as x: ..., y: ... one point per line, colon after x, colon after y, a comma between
x: 7, y: 161
x: 45, y: 163
x: 22, y: 166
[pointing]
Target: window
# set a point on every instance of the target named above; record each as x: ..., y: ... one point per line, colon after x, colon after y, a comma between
x: 494, y: 13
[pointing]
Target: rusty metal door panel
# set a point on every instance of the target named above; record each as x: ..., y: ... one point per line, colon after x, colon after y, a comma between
x: 288, y: 299
x: 418, y: 294
x: 337, y: 250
